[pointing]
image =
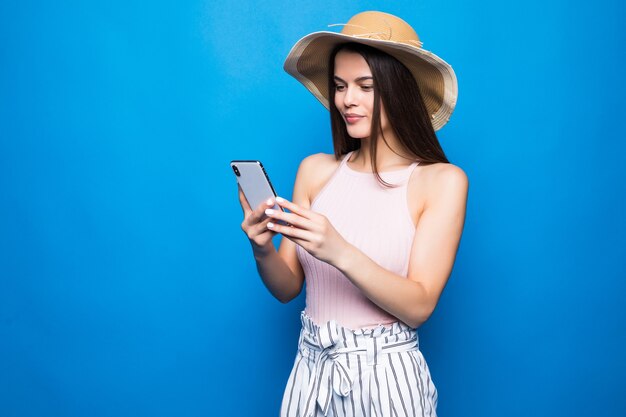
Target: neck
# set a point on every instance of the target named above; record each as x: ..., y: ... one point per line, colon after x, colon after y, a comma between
x: 387, y: 156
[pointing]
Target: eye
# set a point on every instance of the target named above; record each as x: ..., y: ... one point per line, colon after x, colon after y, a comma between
x: 367, y: 87
x: 339, y: 87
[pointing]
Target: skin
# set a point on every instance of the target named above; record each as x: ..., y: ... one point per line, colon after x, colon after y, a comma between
x: 437, y: 196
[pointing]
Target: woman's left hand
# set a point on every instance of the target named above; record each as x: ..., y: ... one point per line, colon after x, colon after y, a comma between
x: 311, y: 230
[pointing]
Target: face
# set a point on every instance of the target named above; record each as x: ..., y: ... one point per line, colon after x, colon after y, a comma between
x: 354, y: 94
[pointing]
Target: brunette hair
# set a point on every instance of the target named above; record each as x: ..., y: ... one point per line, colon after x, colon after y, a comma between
x: 395, y: 86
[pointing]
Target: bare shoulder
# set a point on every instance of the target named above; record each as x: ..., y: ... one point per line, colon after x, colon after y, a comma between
x: 446, y: 173
x: 445, y: 180
x: 319, y: 161
x: 314, y: 171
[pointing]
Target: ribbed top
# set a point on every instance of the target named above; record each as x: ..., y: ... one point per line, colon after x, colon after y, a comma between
x: 374, y: 219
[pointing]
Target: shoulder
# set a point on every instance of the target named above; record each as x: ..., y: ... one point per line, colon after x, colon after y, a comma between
x: 445, y: 181
x: 316, y: 166
x: 319, y: 161
x: 446, y: 174
x: 314, y: 171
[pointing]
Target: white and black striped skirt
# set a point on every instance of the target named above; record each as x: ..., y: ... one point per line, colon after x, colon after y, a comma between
x: 341, y: 372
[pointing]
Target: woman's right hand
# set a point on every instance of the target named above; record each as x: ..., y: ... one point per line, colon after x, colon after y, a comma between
x: 255, y: 222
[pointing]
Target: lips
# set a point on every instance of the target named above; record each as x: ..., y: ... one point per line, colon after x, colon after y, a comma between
x: 352, y: 118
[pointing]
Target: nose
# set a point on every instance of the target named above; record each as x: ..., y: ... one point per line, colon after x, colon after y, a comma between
x: 350, y: 97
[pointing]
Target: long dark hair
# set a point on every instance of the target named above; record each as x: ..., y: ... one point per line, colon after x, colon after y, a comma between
x: 405, y: 108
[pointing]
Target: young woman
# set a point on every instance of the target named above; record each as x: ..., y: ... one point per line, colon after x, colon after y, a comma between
x: 374, y: 228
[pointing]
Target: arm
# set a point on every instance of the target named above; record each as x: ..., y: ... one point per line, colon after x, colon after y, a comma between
x: 280, y: 270
x: 432, y: 254
x: 276, y: 275
x: 273, y: 270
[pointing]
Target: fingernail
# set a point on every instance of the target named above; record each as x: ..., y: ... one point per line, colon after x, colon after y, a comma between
x: 270, y: 225
x: 280, y: 199
x: 269, y: 211
x: 269, y: 202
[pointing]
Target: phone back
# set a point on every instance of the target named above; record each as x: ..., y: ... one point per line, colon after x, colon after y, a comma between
x: 254, y: 182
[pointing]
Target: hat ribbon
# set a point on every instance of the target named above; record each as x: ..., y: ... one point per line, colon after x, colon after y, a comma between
x: 378, y: 35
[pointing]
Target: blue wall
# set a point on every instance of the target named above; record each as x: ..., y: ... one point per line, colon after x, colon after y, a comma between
x: 127, y: 287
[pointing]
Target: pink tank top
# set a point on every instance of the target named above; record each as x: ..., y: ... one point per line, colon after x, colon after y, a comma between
x: 374, y: 219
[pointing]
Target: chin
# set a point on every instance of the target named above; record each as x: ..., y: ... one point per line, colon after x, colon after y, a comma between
x: 356, y: 134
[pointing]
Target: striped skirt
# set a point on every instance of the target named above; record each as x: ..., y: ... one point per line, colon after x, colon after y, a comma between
x: 367, y: 372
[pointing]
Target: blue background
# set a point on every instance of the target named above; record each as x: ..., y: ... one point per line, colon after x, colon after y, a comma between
x: 128, y: 288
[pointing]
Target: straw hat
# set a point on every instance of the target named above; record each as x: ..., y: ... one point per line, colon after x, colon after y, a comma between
x: 308, y: 60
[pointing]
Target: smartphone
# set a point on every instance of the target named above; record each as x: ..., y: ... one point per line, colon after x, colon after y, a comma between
x: 255, y: 183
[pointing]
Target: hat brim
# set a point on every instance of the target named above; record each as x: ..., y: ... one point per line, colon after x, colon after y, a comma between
x: 308, y: 63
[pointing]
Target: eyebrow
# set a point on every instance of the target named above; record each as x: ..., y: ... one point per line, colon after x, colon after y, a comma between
x: 366, y: 77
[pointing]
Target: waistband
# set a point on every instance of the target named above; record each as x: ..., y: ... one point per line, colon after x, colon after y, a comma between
x: 327, y: 344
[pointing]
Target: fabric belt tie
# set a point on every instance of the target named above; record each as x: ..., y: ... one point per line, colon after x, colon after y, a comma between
x: 331, y: 373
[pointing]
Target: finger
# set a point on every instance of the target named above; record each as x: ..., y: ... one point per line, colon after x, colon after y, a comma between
x: 294, y: 208
x: 261, y: 228
x: 291, y: 232
x: 291, y: 218
x: 243, y: 201
x: 259, y: 213
x: 300, y: 242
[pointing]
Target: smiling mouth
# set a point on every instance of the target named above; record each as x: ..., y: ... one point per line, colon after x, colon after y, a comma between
x: 352, y: 118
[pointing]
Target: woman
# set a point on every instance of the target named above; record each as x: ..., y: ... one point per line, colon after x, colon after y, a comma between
x: 374, y: 228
